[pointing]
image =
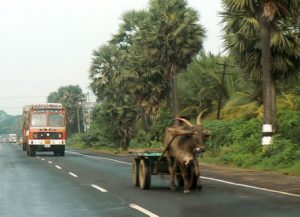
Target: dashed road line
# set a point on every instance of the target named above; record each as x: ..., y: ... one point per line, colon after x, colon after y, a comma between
x: 141, y: 209
x: 42, y: 159
x: 50, y: 162
x: 99, y: 188
x: 72, y: 174
x: 58, y: 167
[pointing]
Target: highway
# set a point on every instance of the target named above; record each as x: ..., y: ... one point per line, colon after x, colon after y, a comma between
x: 100, y: 185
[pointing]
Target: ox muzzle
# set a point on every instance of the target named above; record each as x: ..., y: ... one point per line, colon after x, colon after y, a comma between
x: 199, y: 151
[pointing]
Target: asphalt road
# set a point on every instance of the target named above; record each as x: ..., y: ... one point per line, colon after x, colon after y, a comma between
x: 100, y: 185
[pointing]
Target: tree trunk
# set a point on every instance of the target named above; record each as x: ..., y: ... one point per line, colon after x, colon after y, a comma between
x: 174, y: 94
x: 274, y: 109
x: 145, y: 121
x: 266, y: 63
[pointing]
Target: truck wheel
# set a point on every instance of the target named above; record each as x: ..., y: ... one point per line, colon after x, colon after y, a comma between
x: 31, y: 151
x: 135, y: 172
x: 62, y: 151
x: 144, y: 174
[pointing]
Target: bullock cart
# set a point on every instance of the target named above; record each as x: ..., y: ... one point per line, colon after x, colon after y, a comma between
x: 145, y: 164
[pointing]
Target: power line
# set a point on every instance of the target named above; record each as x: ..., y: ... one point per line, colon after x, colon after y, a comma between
x: 22, y: 97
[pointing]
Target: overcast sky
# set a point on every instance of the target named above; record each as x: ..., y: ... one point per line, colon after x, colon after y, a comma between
x: 46, y: 44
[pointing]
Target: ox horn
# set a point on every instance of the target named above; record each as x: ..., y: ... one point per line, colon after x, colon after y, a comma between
x: 200, y: 116
x: 185, y: 121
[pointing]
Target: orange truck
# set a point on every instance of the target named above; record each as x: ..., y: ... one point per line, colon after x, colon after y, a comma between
x: 44, y: 128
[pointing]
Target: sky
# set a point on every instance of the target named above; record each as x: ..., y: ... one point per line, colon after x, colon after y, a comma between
x: 47, y: 44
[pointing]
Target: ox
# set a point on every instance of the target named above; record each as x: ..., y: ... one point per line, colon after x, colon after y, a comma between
x: 183, y: 144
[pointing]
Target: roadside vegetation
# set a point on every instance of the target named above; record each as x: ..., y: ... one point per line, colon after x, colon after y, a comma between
x: 155, y: 69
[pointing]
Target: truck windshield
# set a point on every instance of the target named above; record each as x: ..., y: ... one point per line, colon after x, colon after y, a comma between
x: 39, y: 120
x: 56, y: 120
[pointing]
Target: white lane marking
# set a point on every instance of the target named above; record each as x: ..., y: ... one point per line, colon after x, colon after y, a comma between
x: 37, y: 157
x: 208, y: 178
x: 99, y: 188
x: 141, y: 209
x: 42, y: 159
x: 58, y: 167
x: 102, y: 158
x: 50, y: 162
x: 72, y: 174
x: 250, y: 186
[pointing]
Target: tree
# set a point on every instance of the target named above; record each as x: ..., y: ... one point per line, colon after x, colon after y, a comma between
x: 263, y: 37
x: 143, y: 81
x: 71, y: 98
x: 171, y: 36
x: 116, y: 112
x: 199, y: 86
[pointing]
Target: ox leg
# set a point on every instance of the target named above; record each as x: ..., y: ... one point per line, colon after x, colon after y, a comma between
x: 172, y: 171
x: 186, y: 179
x: 197, y: 173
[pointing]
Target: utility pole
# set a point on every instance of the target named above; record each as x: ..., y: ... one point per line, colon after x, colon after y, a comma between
x: 225, y: 65
x: 78, y: 118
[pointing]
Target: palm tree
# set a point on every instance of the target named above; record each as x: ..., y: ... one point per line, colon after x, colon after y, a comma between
x: 171, y: 37
x: 71, y: 97
x: 141, y: 80
x: 263, y: 37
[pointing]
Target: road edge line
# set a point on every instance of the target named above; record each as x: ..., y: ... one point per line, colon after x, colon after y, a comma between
x: 250, y: 186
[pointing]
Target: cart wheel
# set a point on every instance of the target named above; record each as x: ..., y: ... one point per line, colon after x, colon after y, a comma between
x: 135, y: 172
x: 144, y: 174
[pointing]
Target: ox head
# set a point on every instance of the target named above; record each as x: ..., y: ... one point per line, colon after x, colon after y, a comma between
x: 197, y: 133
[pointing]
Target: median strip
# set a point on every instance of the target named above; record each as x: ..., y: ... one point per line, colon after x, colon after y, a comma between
x: 141, y: 209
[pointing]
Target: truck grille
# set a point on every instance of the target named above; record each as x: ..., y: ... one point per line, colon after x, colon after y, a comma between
x: 47, y: 135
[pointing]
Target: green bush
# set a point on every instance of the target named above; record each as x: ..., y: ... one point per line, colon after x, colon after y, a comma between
x: 238, y: 142
x: 76, y: 140
x: 164, y: 120
x: 141, y: 139
x: 289, y: 125
x: 229, y: 132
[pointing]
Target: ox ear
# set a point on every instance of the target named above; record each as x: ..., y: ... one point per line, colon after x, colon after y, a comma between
x: 207, y: 133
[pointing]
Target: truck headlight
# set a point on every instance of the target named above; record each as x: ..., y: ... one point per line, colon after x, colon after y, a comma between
x: 35, y: 135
